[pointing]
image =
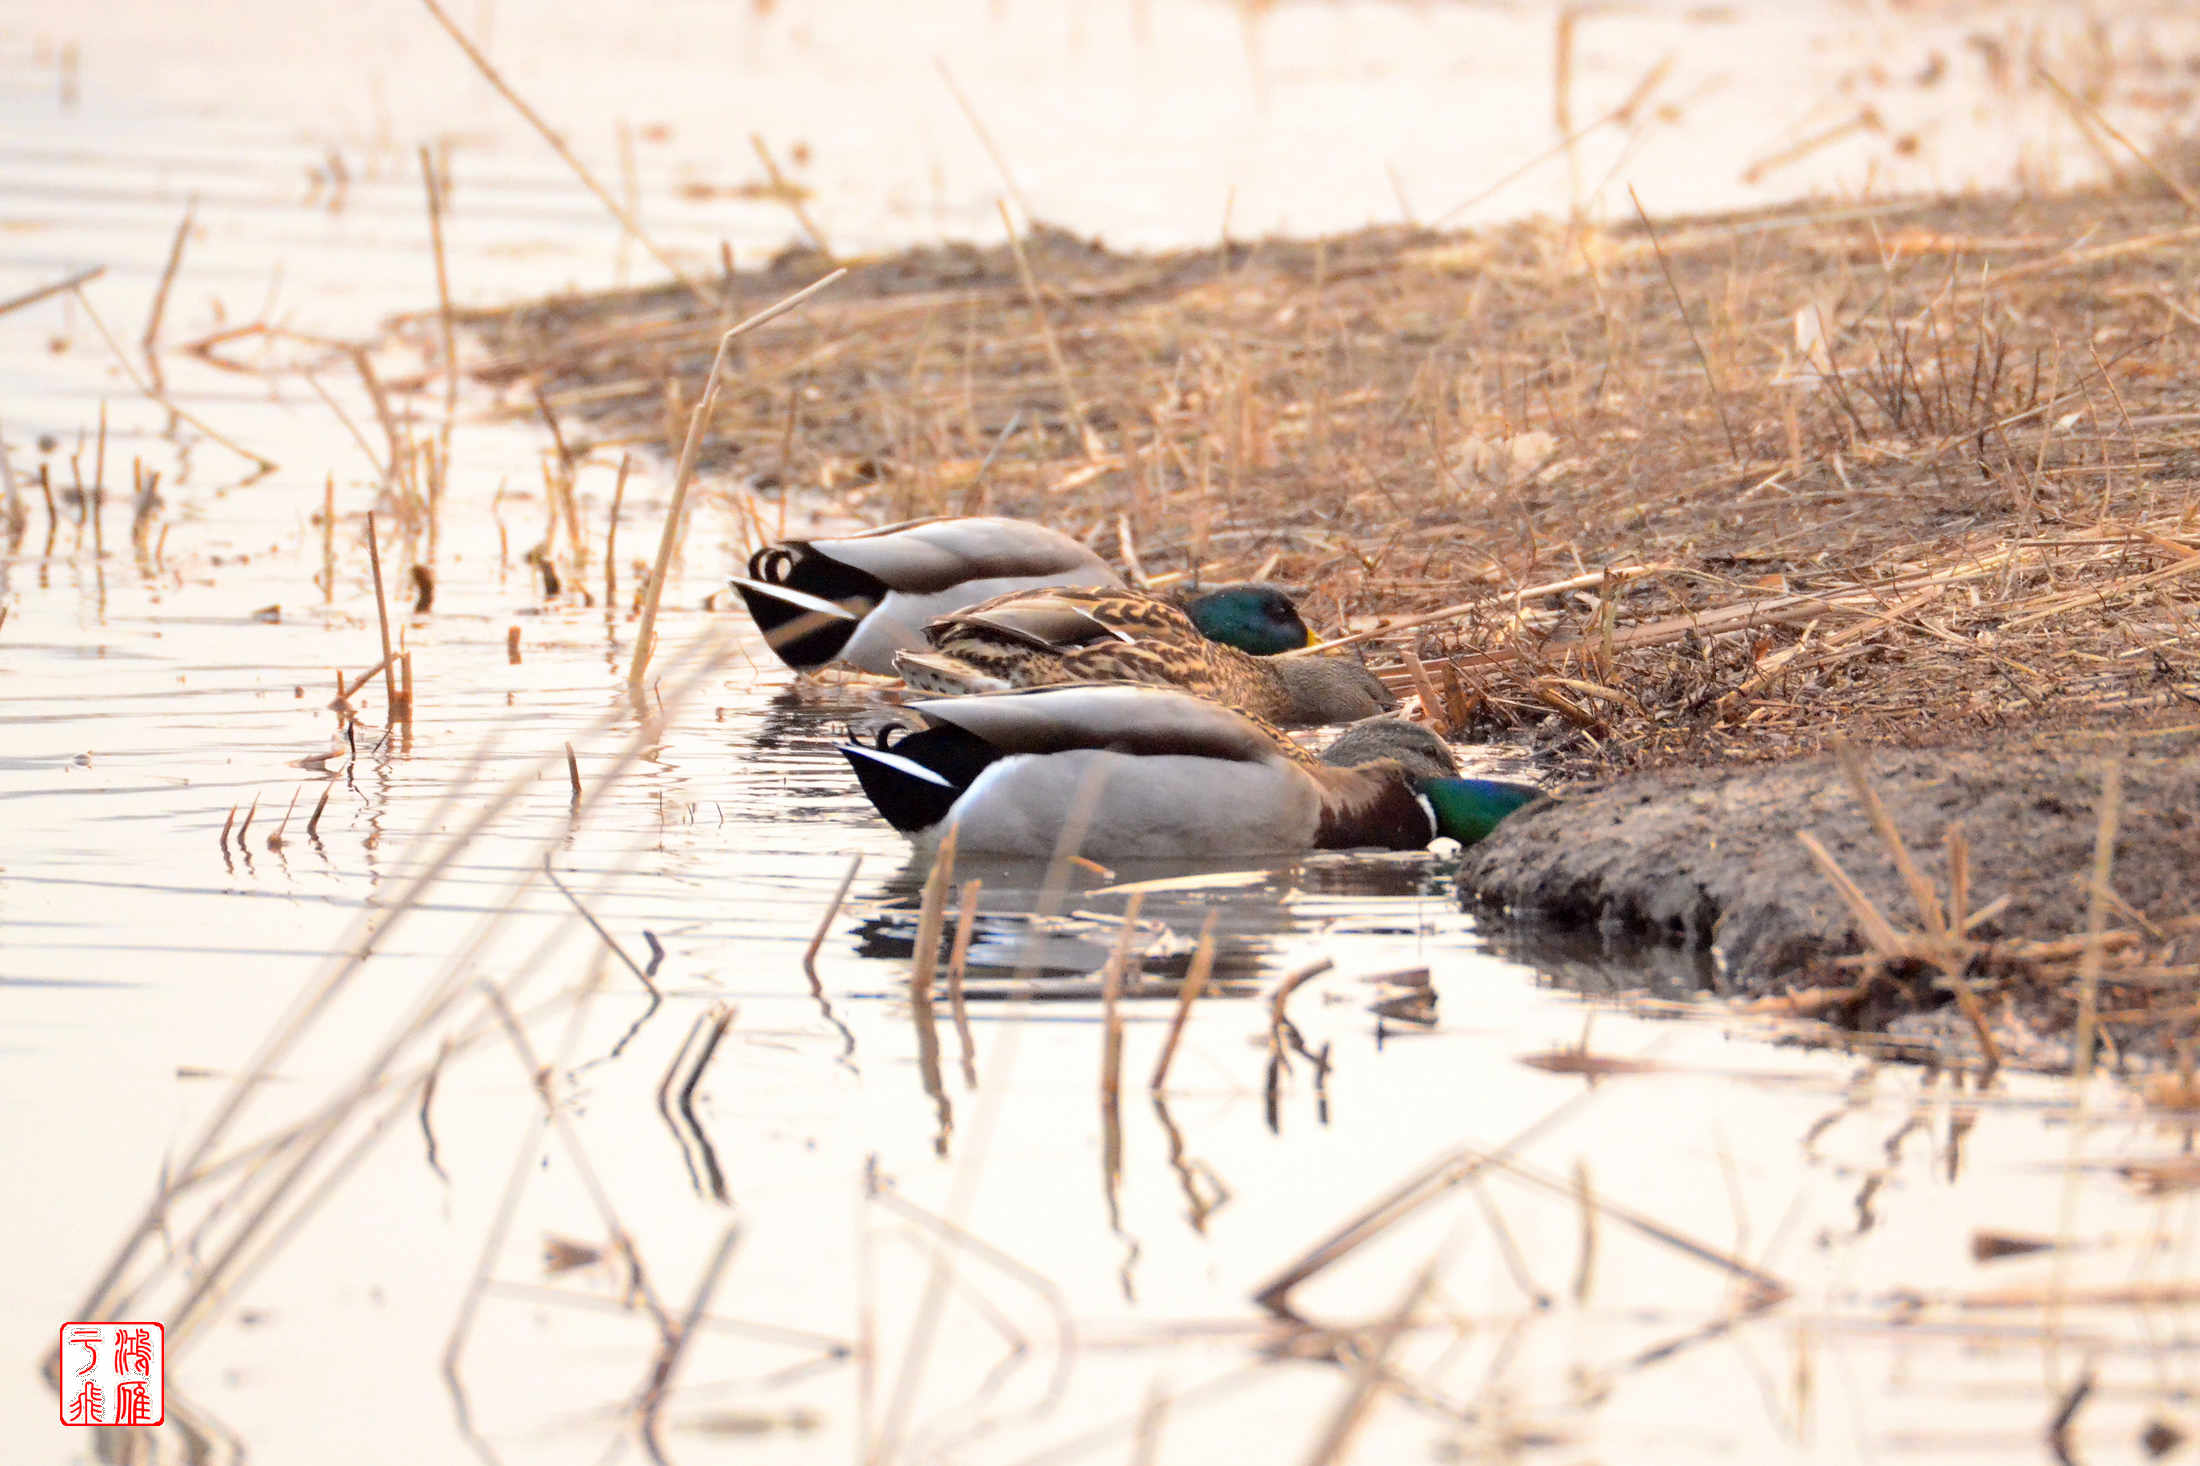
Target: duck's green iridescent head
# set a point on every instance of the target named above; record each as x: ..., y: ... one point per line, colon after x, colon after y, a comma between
x: 1467, y: 809
x: 1254, y: 618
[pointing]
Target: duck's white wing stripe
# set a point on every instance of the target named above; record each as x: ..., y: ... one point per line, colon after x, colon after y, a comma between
x: 793, y: 597
x: 894, y: 760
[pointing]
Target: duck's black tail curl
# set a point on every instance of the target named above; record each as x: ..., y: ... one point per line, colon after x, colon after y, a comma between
x: 800, y: 634
x: 914, y: 779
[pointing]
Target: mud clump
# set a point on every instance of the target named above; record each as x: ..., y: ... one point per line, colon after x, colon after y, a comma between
x: 1709, y: 859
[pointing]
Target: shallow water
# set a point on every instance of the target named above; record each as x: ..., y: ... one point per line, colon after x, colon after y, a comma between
x: 1101, y: 1309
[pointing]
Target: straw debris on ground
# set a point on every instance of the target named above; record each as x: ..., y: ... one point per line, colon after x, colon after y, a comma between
x: 1687, y: 495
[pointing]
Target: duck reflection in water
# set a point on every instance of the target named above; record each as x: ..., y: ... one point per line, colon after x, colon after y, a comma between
x: 1261, y: 923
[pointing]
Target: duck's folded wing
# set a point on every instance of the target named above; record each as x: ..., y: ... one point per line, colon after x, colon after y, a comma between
x: 926, y: 556
x: 1040, y: 620
x: 1119, y: 717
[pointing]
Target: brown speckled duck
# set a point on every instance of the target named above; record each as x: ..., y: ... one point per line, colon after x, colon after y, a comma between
x: 1041, y: 638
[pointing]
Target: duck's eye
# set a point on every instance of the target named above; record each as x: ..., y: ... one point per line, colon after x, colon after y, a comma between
x: 771, y: 565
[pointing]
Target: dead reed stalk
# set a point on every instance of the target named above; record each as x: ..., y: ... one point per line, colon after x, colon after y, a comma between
x: 1095, y: 450
x: 558, y: 145
x: 1195, y: 982
x: 1111, y: 994
x: 825, y: 922
x: 150, y: 341
x: 382, y: 616
x: 675, y: 510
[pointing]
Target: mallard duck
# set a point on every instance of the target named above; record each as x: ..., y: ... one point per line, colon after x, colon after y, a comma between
x: 1254, y: 617
x: 860, y: 598
x: 1178, y: 777
x: 1039, y: 638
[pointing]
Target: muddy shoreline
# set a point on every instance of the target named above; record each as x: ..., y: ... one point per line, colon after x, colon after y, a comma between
x: 1707, y: 861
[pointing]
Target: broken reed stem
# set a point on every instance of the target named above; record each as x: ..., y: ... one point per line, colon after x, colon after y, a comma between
x: 150, y: 341
x: 1718, y: 396
x: 1562, y: 106
x: 1959, y: 923
x: 1432, y: 703
x: 1292, y: 982
x: 1195, y: 982
x: 2085, y: 113
x: 157, y: 394
x: 641, y: 973
x: 46, y: 292
x: 611, y: 536
x: 644, y: 634
x: 12, y: 513
x: 1372, y: 1371
x: 1585, y: 1265
x: 382, y: 614
x: 1879, y: 933
x: 364, y: 364
x: 1922, y: 894
x: 627, y: 221
x: 561, y: 1121
x: 344, y: 691
x: 1094, y: 448
x: 985, y: 139
x: 573, y: 773
x: 381, y: 473
x: 1111, y: 993
x: 275, y: 841
x: 328, y: 540
x: 825, y: 922
x: 442, y: 293
x: 958, y: 958
x: 788, y: 194
x: 676, y: 1347
x: 2096, y: 919
x: 932, y: 915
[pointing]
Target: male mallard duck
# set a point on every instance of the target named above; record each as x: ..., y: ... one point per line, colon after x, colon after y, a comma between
x: 861, y: 598
x: 1254, y: 617
x: 1038, y: 638
x: 1178, y: 776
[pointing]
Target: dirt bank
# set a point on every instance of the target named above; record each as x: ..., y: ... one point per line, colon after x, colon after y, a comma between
x: 1710, y: 860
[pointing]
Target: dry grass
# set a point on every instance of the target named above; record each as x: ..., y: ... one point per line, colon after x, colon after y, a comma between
x: 1906, y: 471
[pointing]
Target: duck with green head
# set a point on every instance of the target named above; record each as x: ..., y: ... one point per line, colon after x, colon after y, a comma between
x: 1168, y: 776
x: 1222, y: 645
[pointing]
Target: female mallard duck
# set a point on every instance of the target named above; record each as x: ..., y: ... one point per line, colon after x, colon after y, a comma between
x: 1038, y: 638
x: 861, y: 598
x: 1177, y: 777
